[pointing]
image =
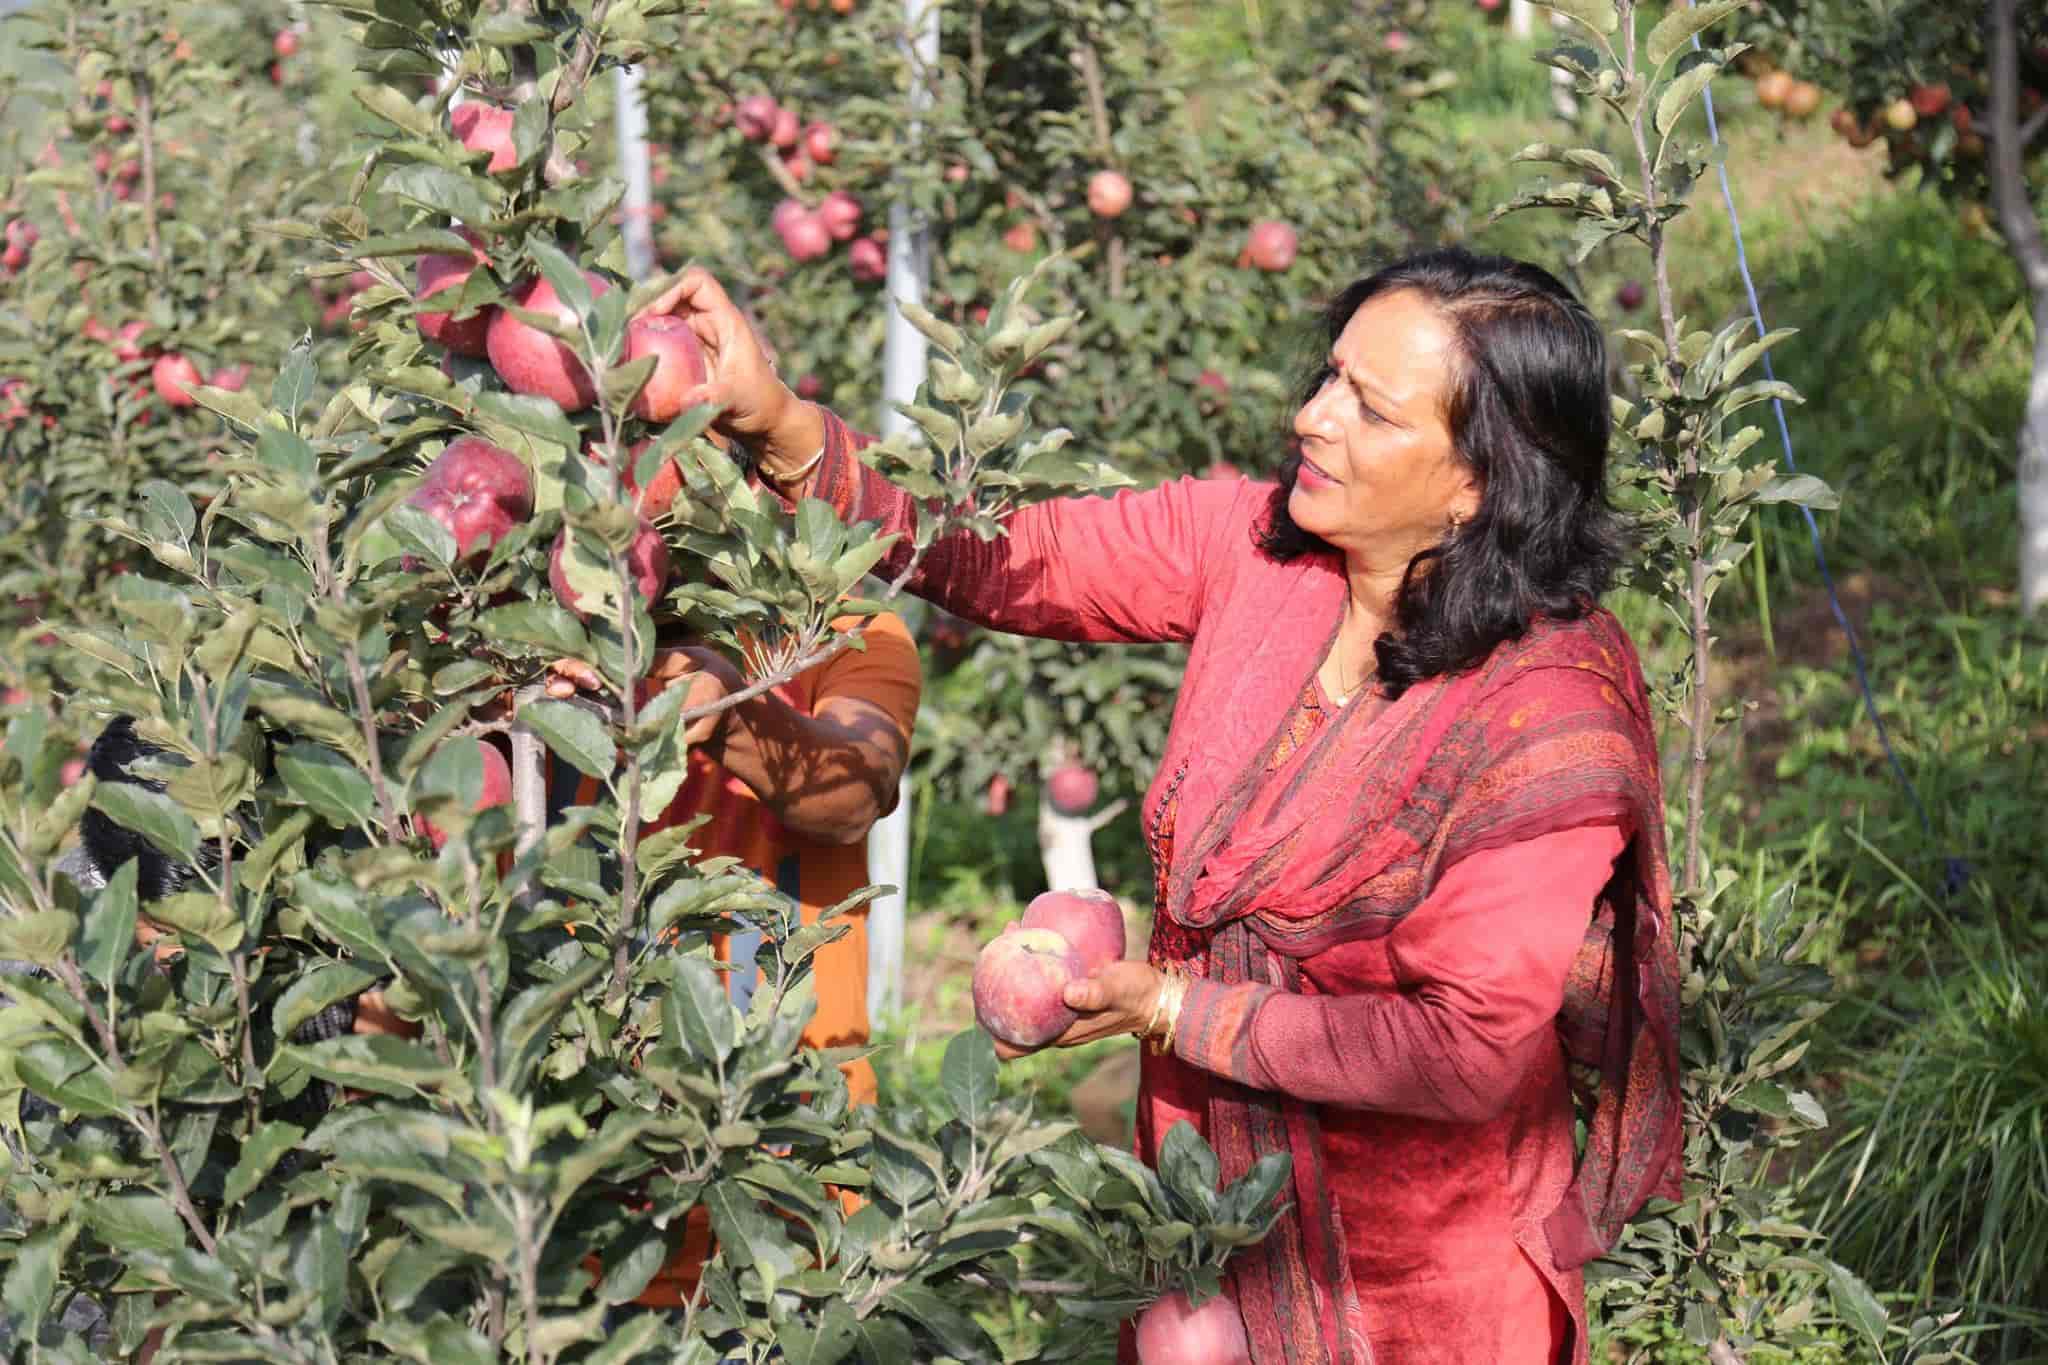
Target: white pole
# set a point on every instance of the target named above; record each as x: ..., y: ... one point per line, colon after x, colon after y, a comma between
x: 903, y: 369
x: 631, y: 117
x: 1522, y: 19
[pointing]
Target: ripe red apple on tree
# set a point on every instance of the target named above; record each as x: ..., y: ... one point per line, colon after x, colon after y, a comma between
x: 1630, y: 295
x: 1271, y: 245
x: 1929, y: 100
x: 1023, y: 237
x: 678, y: 364
x: 1091, y: 921
x: 285, y: 44
x: 1109, y: 194
x: 646, y: 560
x: 1172, y: 1332
x: 1802, y: 99
x: 1215, y: 383
x: 172, y: 376
x: 869, y: 261
x: 21, y: 237
x: 785, y: 130
x: 497, y: 789
x: 998, y: 799
x: 1018, y: 980
x: 229, y: 377
x: 1072, y: 789
x: 478, y: 491
x: 754, y: 116
x: 661, y: 490
x: 1772, y: 88
x: 805, y: 236
x: 532, y: 362
x: 821, y: 142
x: 444, y: 270
x: 486, y: 128
x: 840, y: 212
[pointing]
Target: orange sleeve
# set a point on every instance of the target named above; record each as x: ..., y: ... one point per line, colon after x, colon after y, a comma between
x: 887, y: 673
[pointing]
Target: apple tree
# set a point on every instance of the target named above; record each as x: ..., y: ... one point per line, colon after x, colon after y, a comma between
x: 333, y: 658
x: 1194, y: 237
x: 140, y: 154
x: 1959, y: 95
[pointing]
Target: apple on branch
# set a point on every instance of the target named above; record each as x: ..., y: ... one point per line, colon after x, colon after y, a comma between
x: 442, y: 270
x: 477, y: 491
x: 532, y: 362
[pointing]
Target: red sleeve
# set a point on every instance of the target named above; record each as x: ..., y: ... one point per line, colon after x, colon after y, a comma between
x: 1481, y: 965
x: 1124, y: 569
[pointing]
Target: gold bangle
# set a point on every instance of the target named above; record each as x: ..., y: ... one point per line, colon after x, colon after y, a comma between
x: 1172, y: 995
x: 790, y: 482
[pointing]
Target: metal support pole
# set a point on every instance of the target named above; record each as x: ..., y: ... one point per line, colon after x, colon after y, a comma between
x: 631, y: 117
x: 903, y: 368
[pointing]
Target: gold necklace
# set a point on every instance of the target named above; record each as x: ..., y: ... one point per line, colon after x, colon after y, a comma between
x: 1344, y: 674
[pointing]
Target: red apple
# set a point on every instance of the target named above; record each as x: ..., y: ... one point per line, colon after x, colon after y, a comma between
x: 646, y: 560
x: 444, y: 270
x: 1802, y: 99
x: 1630, y: 295
x: 678, y: 366
x: 229, y: 377
x: 1272, y: 245
x: 1171, y: 1332
x: 754, y: 116
x: 118, y: 124
x: 1109, y: 194
x: 285, y: 44
x: 785, y: 130
x: 869, y: 261
x: 1072, y: 789
x: 497, y: 789
x: 1022, y: 237
x: 1215, y: 383
x: 129, y: 171
x: 73, y: 768
x: 653, y: 500
x: 486, y: 128
x: 21, y: 237
x: 532, y: 362
x: 1929, y: 100
x: 1396, y: 41
x: 478, y: 491
x: 798, y: 166
x: 821, y: 141
x: 840, y: 212
x: 14, y: 696
x: 1018, y: 979
x: 998, y: 799
x: 786, y: 212
x: 172, y: 376
x: 1090, y: 920
x: 805, y: 236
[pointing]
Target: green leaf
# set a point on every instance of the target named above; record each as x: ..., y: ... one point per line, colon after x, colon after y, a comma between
x: 315, y: 991
x: 1598, y: 15
x: 32, y: 1277
x: 1189, y: 1169
x: 151, y: 814
x: 564, y: 276
x: 1856, y: 1304
x: 40, y: 936
x: 293, y: 387
x: 137, y: 1222
x: 375, y: 1062
x: 170, y: 503
x: 1677, y: 28
x: 1681, y: 91
x: 1803, y: 489
x: 440, y: 190
x: 575, y: 734
x: 396, y: 110
x: 544, y: 625
x: 422, y: 534
x: 968, y: 1075
x: 328, y: 783
x: 110, y: 926
x: 701, y: 1013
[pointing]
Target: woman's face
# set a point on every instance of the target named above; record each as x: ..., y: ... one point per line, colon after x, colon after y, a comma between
x: 1378, y: 477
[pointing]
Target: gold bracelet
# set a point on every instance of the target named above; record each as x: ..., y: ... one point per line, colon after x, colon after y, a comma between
x: 1172, y: 995
x: 793, y: 481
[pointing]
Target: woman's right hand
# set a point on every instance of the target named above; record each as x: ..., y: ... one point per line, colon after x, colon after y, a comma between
x: 755, y: 406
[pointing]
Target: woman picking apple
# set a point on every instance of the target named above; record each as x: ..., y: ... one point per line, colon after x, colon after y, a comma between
x: 1407, y: 832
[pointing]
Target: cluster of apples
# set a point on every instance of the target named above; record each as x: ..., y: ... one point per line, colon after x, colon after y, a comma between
x: 1789, y: 96
x: 171, y: 373
x: 19, y: 237
x: 808, y: 234
x: 1021, y: 974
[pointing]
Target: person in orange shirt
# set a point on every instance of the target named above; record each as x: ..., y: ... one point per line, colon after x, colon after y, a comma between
x: 792, y: 780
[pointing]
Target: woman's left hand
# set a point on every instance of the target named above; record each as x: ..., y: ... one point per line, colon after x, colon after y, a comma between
x: 1117, y: 998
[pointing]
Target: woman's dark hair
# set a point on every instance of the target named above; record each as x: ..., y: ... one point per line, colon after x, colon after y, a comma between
x: 1528, y: 412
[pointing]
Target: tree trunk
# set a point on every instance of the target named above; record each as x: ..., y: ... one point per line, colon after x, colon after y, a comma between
x: 1066, y: 847
x: 2023, y: 235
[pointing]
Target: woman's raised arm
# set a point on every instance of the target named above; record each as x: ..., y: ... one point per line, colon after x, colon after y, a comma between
x: 1127, y: 568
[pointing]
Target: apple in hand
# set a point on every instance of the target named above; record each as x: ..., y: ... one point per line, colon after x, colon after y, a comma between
x: 646, y: 561
x: 678, y: 364
x: 532, y: 362
x: 1018, y: 983
x: 497, y: 790
x: 442, y: 270
x: 173, y: 376
x: 486, y: 128
x: 478, y: 491
x: 1171, y: 1332
x: 1091, y: 921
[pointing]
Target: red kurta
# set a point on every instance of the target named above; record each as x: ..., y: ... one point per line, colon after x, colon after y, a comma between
x: 1407, y: 1040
